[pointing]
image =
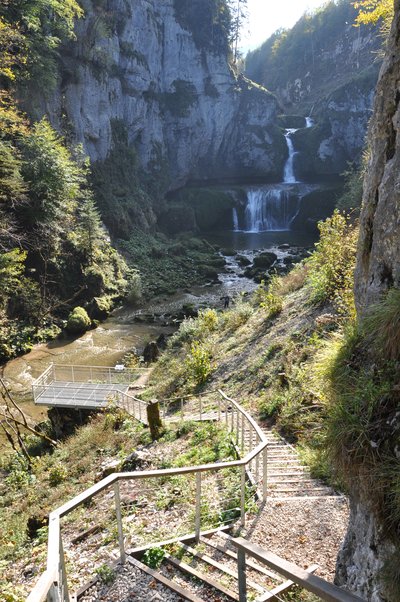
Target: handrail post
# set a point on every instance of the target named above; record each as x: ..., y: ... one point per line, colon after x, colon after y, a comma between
x: 237, y: 427
x: 63, y: 574
x: 232, y: 418
x: 257, y: 467
x: 265, y: 466
x: 117, y: 498
x: 241, y: 565
x: 242, y: 445
x: 198, y: 506
x: 243, y: 496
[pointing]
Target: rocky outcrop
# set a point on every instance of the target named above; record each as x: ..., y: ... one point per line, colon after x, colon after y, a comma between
x: 338, y: 137
x: 369, y: 547
x: 363, y: 555
x: 138, y: 62
x: 378, y: 263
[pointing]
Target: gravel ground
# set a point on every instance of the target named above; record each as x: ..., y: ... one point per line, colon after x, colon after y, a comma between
x: 306, y: 531
x: 131, y: 584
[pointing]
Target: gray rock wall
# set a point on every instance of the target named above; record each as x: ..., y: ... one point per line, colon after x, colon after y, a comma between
x: 378, y: 262
x: 134, y: 62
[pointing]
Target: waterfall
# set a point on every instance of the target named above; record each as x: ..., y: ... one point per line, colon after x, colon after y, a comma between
x: 288, y: 173
x: 235, y: 220
x: 309, y: 122
x: 270, y: 210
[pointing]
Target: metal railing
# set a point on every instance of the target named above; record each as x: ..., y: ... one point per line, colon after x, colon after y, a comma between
x: 58, y: 374
x: 319, y: 587
x: 203, y: 498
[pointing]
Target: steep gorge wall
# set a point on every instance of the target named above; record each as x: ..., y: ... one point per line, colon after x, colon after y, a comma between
x: 368, y: 546
x: 183, y: 108
x: 326, y: 67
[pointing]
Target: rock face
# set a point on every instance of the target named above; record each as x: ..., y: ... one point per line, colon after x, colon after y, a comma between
x: 378, y: 267
x: 378, y: 263
x: 341, y: 124
x: 330, y: 72
x: 362, y: 555
x: 137, y: 62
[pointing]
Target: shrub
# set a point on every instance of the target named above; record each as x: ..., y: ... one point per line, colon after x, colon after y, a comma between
x: 331, y: 266
x: 188, y: 331
x: 153, y: 557
x: 106, y: 574
x: 267, y: 298
x: 134, y: 289
x: 238, y: 315
x: 78, y: 321
x: 198, y: 363
x: 208, y: 320
x: 57, y: 474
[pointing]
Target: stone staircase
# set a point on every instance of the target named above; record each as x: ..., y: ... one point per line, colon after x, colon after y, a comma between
x: 287, y: 477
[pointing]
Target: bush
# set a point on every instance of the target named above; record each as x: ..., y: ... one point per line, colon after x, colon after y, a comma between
x: 106, y: 574
x: 238, y: 315
x: 267, y: 299
x: 153, y: 557
x: 331, y: 266
x: 198, y: 363
x: 57, y: 474
x: 134, y: 289
x: 208, y: 320
x: 78, y: 321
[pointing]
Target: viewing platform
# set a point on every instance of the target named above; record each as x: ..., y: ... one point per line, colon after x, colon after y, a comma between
x: 82, y: 387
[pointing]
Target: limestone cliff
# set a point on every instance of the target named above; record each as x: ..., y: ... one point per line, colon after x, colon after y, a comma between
x: 138, y: 62
x: 368, y: 545
x: 327, y: 68
x: 378, y: 265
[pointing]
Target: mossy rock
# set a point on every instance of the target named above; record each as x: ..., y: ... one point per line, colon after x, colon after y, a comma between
x: 99, y: 308
x: 212, y: 207
x: 78, y: 321
x: 265, y: 260
x: 292, y: 121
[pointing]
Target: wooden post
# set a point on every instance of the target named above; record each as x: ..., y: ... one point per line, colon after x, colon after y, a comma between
x: 198, y: 506
x: 241, y: 564
x: 119, y: 522
x: 154, y: 420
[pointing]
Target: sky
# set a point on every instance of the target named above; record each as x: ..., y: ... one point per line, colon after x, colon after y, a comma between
x: 266, y: 16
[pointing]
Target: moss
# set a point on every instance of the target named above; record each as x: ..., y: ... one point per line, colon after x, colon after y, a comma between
x: 179, y: 101
x: 211, y: 207
x: 78, y: 321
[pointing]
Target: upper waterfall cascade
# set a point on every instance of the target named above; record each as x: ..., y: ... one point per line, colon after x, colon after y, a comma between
x: 288, y: 172
x: 273, y: 208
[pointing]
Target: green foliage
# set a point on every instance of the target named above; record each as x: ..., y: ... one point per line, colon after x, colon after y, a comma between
x: 57, y: 474
x: 198, y: 363
x: 207, y: 321
x: 381, y: 326
x: 181, y: 99
x: 353, y: 188
x: 209, y: 21
x: 134, y: 289
x: 78, y: 321
x: 267, y: 299
x: 106, y: 574
x: 36, y: 28
x: 153, y: 557
x: 331, y: 266
x: 238, y: 315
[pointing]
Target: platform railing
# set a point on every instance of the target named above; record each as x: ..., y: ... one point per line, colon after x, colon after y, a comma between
x: 234, y: 494
x: 319, y: 587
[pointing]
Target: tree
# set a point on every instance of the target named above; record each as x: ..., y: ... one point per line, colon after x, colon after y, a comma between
x: 372, y: 12
x: 239, y: 15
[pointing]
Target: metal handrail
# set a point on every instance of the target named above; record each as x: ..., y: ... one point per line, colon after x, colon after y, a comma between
x: 323, y: 589
x: 55, y: 578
